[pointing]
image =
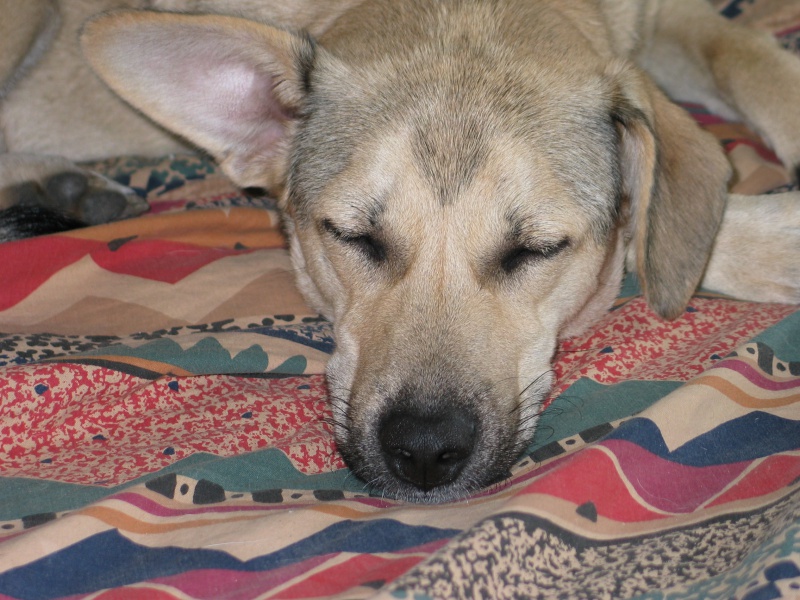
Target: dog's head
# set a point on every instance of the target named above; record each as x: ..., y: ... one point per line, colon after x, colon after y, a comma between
x: 458, y: 198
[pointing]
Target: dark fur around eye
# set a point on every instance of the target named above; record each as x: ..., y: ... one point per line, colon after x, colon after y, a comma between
x: 368, y: 245
x: 522, y: 255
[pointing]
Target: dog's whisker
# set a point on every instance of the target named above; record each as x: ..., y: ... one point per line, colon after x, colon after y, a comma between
x: 336, y: 424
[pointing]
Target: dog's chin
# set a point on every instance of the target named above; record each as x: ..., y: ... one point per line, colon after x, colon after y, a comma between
x: 456, y: 491
x: 381, y: 482
x: 487, y: 469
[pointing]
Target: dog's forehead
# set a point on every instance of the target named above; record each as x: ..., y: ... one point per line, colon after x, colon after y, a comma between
x: 443, y: 126
x: 467, y: 181
x: 448, y: 152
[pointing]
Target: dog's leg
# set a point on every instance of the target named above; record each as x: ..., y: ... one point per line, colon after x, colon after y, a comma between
x: 697, y: 55
x: 756, y: 255
x: 60, y: 194
x: 40, y: 193
x: 24, y: 38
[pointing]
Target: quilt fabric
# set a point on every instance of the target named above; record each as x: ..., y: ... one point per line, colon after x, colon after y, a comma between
x: 164, y: 427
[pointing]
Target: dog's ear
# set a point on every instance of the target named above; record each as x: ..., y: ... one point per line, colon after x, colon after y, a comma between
x: 231, y: 86
x: 675, y: 179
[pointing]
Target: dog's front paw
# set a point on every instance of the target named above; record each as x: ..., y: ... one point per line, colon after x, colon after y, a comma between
x: 82, y: 195
x: 57, y: 185
x: 757, y: 252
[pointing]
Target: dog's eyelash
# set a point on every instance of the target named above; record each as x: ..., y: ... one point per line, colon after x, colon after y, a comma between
x: 521, y: 255
x: 368, y: 245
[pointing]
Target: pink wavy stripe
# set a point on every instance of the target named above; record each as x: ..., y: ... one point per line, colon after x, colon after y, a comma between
x: 671, y: 486
x: 236, y: 585
x: 336, y: 578
x: 428, y: 548
x: 787, y: 31
x: 756, y: 377
x: 159, y: 510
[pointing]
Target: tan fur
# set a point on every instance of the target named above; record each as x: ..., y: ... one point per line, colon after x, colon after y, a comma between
x: 28, y: 35
x: 462, y: 182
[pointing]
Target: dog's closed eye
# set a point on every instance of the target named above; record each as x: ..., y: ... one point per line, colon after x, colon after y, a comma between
x: 368, y: 245
x: 520, y: 256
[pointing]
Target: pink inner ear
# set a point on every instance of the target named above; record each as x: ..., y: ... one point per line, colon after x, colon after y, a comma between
x: 237, y: 104
x: 214, y: 87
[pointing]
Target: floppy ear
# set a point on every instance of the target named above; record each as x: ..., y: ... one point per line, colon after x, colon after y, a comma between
x: 675, y: 178
x: 232, y: 87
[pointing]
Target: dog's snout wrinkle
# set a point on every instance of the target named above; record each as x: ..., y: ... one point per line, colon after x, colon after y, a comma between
x: 427, y: 451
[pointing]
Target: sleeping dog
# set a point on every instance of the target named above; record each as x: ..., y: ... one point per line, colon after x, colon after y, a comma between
x: 462, y: 183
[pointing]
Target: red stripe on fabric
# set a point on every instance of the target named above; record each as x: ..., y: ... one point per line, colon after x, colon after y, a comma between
x: 591, y: 476
x: 774, y: 473
x: 787, y: 31
x: 359, y: 570
x: 27, y: 264
x: 209, y: 584
x: 762, y: 151
x: 159, y: 260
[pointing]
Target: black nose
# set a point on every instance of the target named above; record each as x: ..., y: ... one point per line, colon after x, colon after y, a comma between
x: 427, y: 451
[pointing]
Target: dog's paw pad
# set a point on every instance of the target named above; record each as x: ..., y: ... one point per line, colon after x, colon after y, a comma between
x: 82, y: 195
x: 66, y: 189
x: 102, y: 206
x: 28, y: 193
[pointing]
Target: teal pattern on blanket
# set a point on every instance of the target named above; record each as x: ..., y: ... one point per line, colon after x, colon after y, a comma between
x: 207, y: 356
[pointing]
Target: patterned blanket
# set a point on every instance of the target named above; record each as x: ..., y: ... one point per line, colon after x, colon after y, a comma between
x: 164, y: 428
